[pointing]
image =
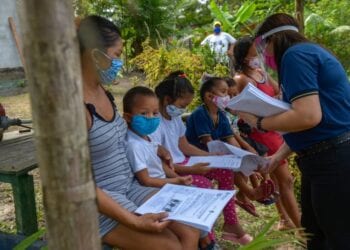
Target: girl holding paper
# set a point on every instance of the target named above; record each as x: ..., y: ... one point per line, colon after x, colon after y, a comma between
x: 249, y: 70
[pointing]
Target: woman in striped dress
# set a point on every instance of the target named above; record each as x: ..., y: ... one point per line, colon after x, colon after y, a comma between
x: 118, y: 193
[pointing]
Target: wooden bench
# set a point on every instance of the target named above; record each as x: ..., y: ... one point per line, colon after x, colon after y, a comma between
x: 17, y: 158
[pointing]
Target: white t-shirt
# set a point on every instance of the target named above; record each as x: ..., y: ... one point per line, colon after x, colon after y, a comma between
x: 143, y: 154
x: 168, y: 134
x: 219, y: 44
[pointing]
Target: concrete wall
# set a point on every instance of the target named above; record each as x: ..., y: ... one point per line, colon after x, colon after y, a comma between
x: 9, y: 57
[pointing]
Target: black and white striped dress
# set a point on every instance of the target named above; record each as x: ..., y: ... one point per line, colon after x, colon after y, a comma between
x: 111, y: 169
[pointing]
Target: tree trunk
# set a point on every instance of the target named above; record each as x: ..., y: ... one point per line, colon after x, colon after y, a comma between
x: 299, y: 14
x: 55, y: 85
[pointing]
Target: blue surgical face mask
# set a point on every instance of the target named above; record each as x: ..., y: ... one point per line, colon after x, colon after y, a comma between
x: 107, y: 76
x: 143, y: 125
x: 174, y: 111
x: 217, y: 30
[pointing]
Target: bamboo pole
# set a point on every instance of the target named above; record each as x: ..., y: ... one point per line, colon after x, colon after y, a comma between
x: 55, y: 85
x: 16, y: 38
x: 299, y: 14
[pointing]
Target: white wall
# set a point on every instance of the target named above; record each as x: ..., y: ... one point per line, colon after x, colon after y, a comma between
x: 9, y: 57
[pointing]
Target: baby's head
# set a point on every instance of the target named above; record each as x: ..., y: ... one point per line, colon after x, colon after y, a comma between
x: 232, y: 86
x: 141, y: 110
x: 175, y: 93
x: 214, y: 91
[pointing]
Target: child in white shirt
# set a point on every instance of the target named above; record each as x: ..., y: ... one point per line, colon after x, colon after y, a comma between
x: 141, y: 112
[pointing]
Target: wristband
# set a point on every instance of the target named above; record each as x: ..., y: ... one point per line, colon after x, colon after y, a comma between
x: 258, y: 123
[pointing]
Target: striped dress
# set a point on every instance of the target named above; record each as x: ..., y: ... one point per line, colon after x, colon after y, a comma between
x: 111, y: 169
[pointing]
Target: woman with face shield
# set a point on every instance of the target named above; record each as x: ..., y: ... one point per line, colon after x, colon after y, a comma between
x: 317, y: 127
x: 249, y: 70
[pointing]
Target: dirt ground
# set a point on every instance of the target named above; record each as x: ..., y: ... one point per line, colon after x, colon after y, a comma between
x: 17, y: 105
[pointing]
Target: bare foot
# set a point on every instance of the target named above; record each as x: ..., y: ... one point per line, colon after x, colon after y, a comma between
x: 235, y: 229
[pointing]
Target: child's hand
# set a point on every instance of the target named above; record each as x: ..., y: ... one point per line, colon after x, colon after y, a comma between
x: 185, y: 180
x: 200, y: 168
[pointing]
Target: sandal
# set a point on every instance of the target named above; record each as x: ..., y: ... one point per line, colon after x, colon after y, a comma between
x: 267, y: 201
x: 284, y: 225
x: 244, y: 240
x: 247, y: 206
x: 268, y: 188
x: 212, y: 246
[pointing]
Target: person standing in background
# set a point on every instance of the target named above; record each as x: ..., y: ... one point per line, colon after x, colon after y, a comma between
x: 220, y: 44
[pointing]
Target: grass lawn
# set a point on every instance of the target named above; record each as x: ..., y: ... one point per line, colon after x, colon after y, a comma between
x: 18, y: 106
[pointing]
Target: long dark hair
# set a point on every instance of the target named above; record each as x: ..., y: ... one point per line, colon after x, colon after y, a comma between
x: 208, y: 86
x: 240, y: 51
x: 175, y: 85
x: 95, y: 32
x: 281, y: 40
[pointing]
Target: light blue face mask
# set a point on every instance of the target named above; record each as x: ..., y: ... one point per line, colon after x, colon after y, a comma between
x: 174, y: 111
x: 143, y: 125
x: 107, y: 76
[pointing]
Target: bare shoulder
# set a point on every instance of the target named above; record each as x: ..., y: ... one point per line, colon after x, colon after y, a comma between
x: 242, y: 80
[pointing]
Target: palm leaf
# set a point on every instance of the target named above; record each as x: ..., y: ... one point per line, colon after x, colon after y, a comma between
x: 244, y: 13
x: 220, y: 15
x: 24, y: 244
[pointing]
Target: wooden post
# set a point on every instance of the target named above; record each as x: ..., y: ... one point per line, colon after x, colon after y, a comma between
x: 299, y: 14
x: 55, y: 85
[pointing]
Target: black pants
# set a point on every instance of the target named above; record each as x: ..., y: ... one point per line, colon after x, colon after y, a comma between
x: 325, y: 197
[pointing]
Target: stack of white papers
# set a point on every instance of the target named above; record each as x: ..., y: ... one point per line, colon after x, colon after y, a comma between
x: 253, y: 100
x: 233, y: 158
x: 197, y: 207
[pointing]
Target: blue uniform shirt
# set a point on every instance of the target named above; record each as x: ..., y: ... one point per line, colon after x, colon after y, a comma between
x: 308, y: 69
x: 200, y: 124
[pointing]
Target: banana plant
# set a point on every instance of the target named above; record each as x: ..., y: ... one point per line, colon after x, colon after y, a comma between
x: 230, y: 22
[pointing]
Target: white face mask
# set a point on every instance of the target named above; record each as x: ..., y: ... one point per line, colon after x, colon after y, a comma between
x: 254, y: 63
x: 174, y: 111
x: 221, y: 101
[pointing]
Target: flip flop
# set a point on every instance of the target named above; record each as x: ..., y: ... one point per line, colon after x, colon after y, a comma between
x: 267, y: 201
x: 212, y: 246
x: 247, y: 206
x: 268, y: 188
x: 244, y: 240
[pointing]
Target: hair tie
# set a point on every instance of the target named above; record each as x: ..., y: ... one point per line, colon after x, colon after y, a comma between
x: 182, y: 75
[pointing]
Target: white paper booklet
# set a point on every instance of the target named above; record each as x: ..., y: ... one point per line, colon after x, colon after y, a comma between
x: 253, y: 100
x: 247, y: 162
x: 220, y: 161
x: 197, y: 207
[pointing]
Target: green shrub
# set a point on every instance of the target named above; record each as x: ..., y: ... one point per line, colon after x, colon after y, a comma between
x: 158, y: 63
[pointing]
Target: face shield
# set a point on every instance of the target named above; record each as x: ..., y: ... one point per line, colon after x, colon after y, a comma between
x: 261, y: 44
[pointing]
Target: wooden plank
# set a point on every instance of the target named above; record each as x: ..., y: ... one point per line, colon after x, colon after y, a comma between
x: 17, y: 156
